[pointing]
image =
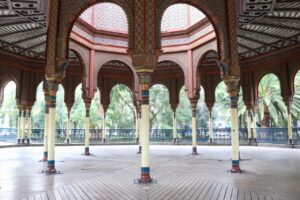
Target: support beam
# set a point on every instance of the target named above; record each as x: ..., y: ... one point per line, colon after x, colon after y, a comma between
x: 46, y: 128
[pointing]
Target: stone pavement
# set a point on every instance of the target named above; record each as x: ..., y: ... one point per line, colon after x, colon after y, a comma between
x: 270, y: 173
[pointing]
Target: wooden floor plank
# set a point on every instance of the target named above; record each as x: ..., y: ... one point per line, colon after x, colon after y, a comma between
x: 205, y: 190
x: 247, y: 195
x: 44, y: 196
x: 51, y: 196
x: 234, y: 195
x: 241, y: 194
x: 254, y: 196
x: 216, y: 192
x: 60, y: 194
x: 223, y: 192
x: 211, y: 191
x: 228, y: 193
x: 189, y: 194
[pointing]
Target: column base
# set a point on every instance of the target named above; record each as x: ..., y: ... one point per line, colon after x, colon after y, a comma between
x: 235, y: 167
x: 23, y: 141
x: 137, y: 141
x: 87, y: 151
x: 104, y: 141
x: 68, y: 140
x: 175, y: 141
x: 211, y: 141
x: 249, y: 141
x: 45, y: 157
x: 194, y: 153
x: 140, y: 150
x: 291, y: 142
x: 19, y: 141
x: 28, y: 141
x: 145, y: 175
x: 51, y: 167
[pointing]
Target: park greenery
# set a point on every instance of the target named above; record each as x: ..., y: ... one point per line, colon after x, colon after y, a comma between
x: 121, y: 114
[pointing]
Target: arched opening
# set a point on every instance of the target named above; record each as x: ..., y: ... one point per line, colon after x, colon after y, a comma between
x: 202, y: 111
x: 9, y: 109
x: 221, y: 110
x: 295, y: 110
x: 183, y: 112
x: 272, y: 110
x: 77, y: 115
x: 160, y: 109
x: 121, y: 111
x: 38, y: 109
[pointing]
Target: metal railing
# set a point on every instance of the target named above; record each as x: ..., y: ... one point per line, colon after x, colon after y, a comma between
x: 220, y: 135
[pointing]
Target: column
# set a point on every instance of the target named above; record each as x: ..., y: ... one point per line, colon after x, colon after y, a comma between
x: 254, y: 124
x: 210, y: 126
x: 232, y: 89
x: 87, y: 130
x: 23, y: 120
x: 174, y: 128
x: 104, y: 128
x: 290, y: 130
x: 19, y: 125
x: 137, y: 128
x: 145, y: 81
x: 29, y: 126
x: 194, y: 126
x: 68, y: 131
x: 53, y: 87
x: 249, y: 124
x: 46, y: 124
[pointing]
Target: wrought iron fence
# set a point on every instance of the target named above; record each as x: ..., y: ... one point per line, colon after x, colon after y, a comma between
x: 220, y: 135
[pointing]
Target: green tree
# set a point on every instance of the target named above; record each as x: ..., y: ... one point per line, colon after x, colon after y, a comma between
x: 77, y: 115
x: 9, y: 109
x: 270, y: 104
x: 121, y: 112
x: 161, y: 114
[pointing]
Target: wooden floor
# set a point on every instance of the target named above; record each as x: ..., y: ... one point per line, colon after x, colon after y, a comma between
x: 119, y: 186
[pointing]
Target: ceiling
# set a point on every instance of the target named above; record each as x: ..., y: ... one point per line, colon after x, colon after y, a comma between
x: 263, y: 26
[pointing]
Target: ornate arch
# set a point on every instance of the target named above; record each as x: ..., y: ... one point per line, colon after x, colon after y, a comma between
x: 72, y: 9
x: 214, y: 10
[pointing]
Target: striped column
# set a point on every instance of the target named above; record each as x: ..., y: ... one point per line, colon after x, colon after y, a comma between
x: 87, y: 132
x: 53, y: 86
x: 145, y: 81
x: 249, y: 124
x: 29, y: 126
x: 137, y: 128
x: 290, y: 130
x: 19, y: 126
x: 139, y: 137
x: 210, y: 127
x: 23, y: 120
x: 104, y: 128
x: 194, y: 126
x: 254, y: 125
x: 174, y: 128
x: 68, y: 131
x: 46, y: 124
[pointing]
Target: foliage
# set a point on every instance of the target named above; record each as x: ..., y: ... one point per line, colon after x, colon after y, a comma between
x: 121, y: 112
x: 9, y: 109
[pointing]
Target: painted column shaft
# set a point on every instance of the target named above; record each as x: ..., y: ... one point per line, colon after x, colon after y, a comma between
x: 144, y: 134
x: 46, y: 135
x: 210, y: 127
x: 136, y: 127
x: 174, y: 127
x: 19, y: 125
x: 254, y: 126
x: 51, y: 137
x: 104, y: 128
x: 29, y: 126
x: 290, y: 131
x: 23, y: 124
x: 87, y: 132
x: 249, y: 124
x: 234, y: 135
x: 194, y: 132
x: 68, y: 128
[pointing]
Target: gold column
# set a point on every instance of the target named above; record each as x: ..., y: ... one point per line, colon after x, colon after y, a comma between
x: 23, y: 120
x: 68, y: 131
x: 289, y: 125
x: 194, y: 102
x: 87, y: 130
x: 174, y: 128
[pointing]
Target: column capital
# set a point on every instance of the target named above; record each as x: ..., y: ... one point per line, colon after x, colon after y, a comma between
x: 143, y: 61
x: 57, y: 73
x: 232, y: 83
x: 194, y: 102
